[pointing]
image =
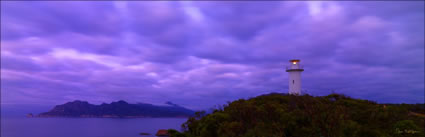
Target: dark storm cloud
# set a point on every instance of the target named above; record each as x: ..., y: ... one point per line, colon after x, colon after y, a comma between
x: 40, y: 18
x: 199, y: 54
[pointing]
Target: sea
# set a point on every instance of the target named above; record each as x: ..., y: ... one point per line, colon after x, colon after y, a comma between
x: 86, y: 127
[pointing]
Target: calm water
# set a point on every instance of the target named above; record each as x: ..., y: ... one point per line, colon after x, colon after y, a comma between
x: 85, y: 127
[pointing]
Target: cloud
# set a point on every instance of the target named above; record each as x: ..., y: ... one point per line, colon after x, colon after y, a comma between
x: 199, y: 54
x: 73, y: 54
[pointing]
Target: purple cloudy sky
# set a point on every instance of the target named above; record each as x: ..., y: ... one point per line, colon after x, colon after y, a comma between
x: 199, y: 54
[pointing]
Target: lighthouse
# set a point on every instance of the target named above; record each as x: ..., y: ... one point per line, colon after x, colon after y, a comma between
x: 294, y: 69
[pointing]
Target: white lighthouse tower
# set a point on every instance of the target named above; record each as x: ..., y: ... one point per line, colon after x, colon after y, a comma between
x: 294, y: 70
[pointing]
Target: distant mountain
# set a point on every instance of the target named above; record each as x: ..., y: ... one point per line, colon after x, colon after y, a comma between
x: 119, y: 109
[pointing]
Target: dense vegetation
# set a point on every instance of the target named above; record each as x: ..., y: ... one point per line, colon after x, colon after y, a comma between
x: 281, y: 115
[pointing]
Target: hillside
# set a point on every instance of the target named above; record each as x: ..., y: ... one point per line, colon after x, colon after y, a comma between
x: 281, y: 115
x: 116, y: 109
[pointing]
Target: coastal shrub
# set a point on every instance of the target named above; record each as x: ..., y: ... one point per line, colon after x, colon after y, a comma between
x: 283, y: 115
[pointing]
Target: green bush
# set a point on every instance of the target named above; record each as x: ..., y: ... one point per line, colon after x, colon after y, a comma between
x: 277, y: 115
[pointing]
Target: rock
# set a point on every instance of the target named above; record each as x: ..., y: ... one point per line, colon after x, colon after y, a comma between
x: 162, y: 133
x: 144, y: 134
x: 30, y: 115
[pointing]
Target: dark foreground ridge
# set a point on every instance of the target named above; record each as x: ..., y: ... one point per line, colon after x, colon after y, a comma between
x: 120, y: 109
x: 282, y: 115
